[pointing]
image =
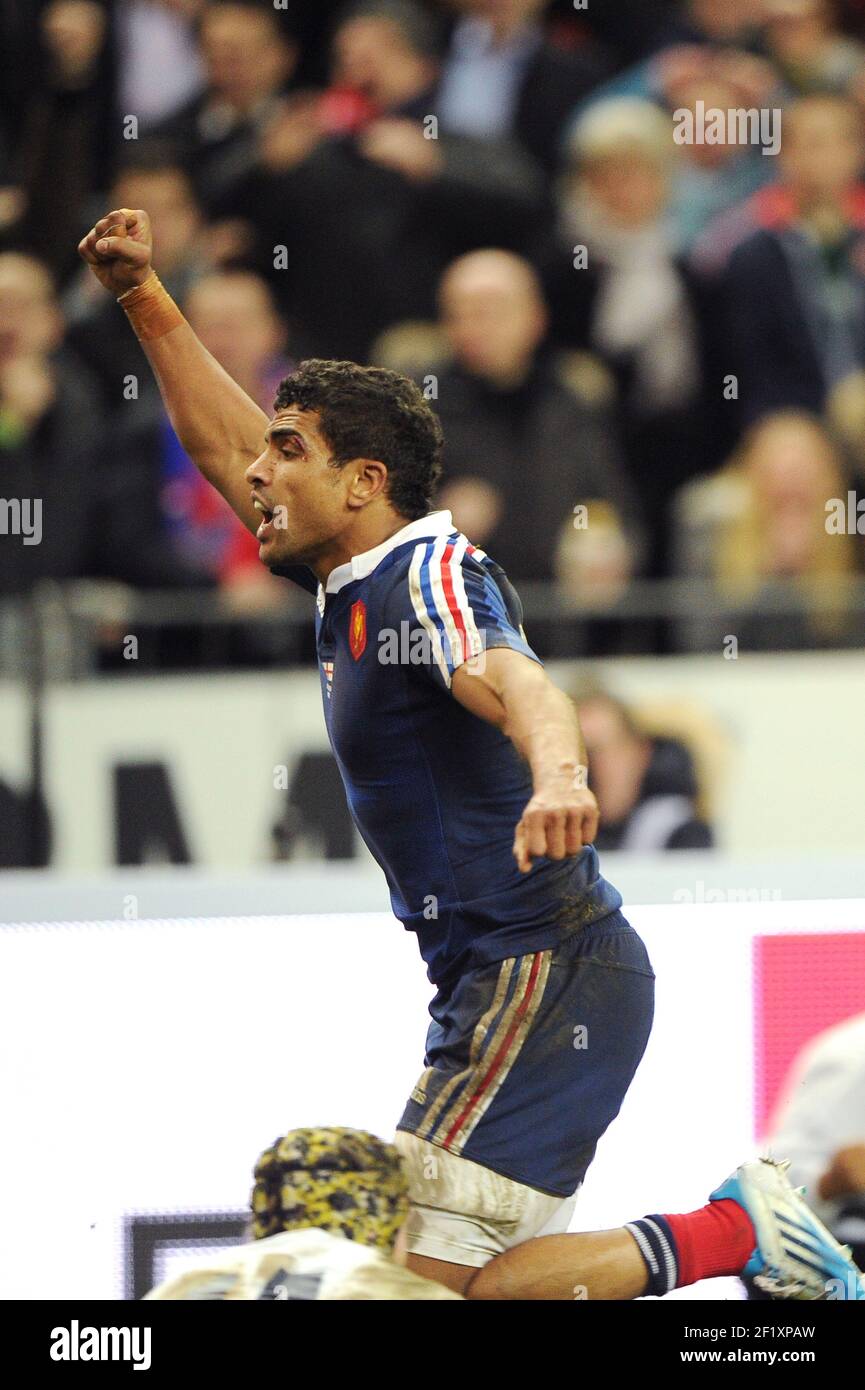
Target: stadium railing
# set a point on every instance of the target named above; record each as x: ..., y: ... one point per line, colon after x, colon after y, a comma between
x: 63, y: 631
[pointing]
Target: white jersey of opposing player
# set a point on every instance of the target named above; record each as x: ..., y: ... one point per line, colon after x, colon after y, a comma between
x: 822, y: 1110
x: 300, y: 1266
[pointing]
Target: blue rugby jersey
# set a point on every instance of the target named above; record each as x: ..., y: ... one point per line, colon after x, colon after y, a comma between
x: 435, y: 791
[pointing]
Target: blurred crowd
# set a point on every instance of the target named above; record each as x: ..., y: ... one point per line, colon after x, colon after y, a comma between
x: 648, y: 354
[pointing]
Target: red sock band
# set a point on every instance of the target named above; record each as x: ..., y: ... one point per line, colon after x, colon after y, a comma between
x: 718, y: 1239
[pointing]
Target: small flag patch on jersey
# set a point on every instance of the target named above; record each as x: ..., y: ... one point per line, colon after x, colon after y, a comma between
x: 327, y: 667
x: 357, y: 629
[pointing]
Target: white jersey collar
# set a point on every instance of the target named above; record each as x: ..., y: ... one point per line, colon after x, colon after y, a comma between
x: 359, y: 566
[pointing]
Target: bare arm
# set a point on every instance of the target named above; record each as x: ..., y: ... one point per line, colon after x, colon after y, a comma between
x: 511, y: 691
x: 218, y: 424
x: 845, y: 1174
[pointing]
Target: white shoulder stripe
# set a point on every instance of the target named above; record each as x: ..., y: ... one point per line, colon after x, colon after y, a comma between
x: 440, y: 620
x: 421, y: 612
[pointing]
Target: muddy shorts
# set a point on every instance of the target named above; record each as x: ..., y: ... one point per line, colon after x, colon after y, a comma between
x: 528, y: 1061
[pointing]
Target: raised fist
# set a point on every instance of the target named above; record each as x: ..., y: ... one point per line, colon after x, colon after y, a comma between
x: 118, y: 249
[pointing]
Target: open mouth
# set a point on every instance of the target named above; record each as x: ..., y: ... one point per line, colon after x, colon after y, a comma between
x: 266, y: 519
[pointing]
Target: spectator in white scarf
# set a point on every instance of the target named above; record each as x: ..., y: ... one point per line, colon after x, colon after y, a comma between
x: 617, y: 290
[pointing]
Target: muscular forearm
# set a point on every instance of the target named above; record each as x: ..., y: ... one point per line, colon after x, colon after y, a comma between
x: 513, y: 692
x: 562, y: 815
x: 542, y: 724
x: 219, y: 425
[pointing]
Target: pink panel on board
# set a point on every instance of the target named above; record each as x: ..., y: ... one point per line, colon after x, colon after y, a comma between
x: 803, y: 983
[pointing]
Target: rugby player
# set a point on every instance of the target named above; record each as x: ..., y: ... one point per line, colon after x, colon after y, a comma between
x: 328, y: 1211
x: 465, y: 774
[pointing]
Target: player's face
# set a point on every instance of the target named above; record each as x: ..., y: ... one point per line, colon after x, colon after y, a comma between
x: 297, y: 489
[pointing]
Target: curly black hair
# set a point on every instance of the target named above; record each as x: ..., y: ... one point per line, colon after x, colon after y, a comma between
x: 373, y: 413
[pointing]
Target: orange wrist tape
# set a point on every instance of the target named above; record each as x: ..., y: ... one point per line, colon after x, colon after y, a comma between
x: 150, y: 309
